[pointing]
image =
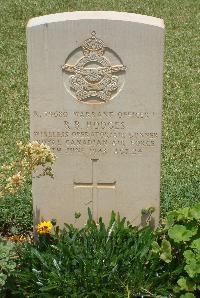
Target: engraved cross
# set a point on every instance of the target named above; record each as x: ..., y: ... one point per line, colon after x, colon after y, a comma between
x: 94, y: 185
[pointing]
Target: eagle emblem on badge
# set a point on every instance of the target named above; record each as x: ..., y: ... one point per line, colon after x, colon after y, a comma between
x: 93, y: 78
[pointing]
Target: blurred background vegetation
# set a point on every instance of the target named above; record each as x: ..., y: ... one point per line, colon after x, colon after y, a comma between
x: 180, y: 158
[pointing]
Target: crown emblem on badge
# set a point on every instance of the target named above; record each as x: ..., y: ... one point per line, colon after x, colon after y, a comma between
x: 93, y: 44
x: 93, y: 79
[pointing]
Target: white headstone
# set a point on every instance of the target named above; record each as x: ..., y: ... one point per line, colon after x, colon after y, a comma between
x: 95, y: 88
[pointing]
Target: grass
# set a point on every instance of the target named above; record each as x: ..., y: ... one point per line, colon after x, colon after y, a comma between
x: 180, y: 160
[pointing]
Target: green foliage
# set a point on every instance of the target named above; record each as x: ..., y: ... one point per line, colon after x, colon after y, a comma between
x: 164, y: 250
x: 94, y: 261
x: 186, y: 285
x: 187, y: 295
x: 181, y: 248
x: 193, y: 263
x: 7, y: 263
x: 180, y: 233
x: 15, y: 179
x: 16, y: 214
x: 115, y: 261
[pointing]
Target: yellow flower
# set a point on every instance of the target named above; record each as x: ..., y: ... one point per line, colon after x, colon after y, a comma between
x: 164, y: 221
x: 16, y: 179
x: 17, y: 238
x: 44, y: 227
x: 6, y: 167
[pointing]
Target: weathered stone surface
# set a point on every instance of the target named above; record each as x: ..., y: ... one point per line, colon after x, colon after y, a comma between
x: 95, y: 88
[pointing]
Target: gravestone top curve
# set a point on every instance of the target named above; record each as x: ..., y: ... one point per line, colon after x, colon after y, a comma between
x: 107, y: 15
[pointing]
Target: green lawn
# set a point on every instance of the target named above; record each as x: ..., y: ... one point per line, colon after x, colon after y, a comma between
x: 180, y: 160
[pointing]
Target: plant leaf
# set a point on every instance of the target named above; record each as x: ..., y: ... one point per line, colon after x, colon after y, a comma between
x: 166, y: 255
x: 186, y: 284
x: 180, y: 233
x: 187, y: 295
x: 193, y: 263
x: 195, y: 212
x: 196, y: 244
x: 155, y: 247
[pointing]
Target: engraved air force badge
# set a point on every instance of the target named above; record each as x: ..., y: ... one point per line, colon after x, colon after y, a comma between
x: 92, y: 78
